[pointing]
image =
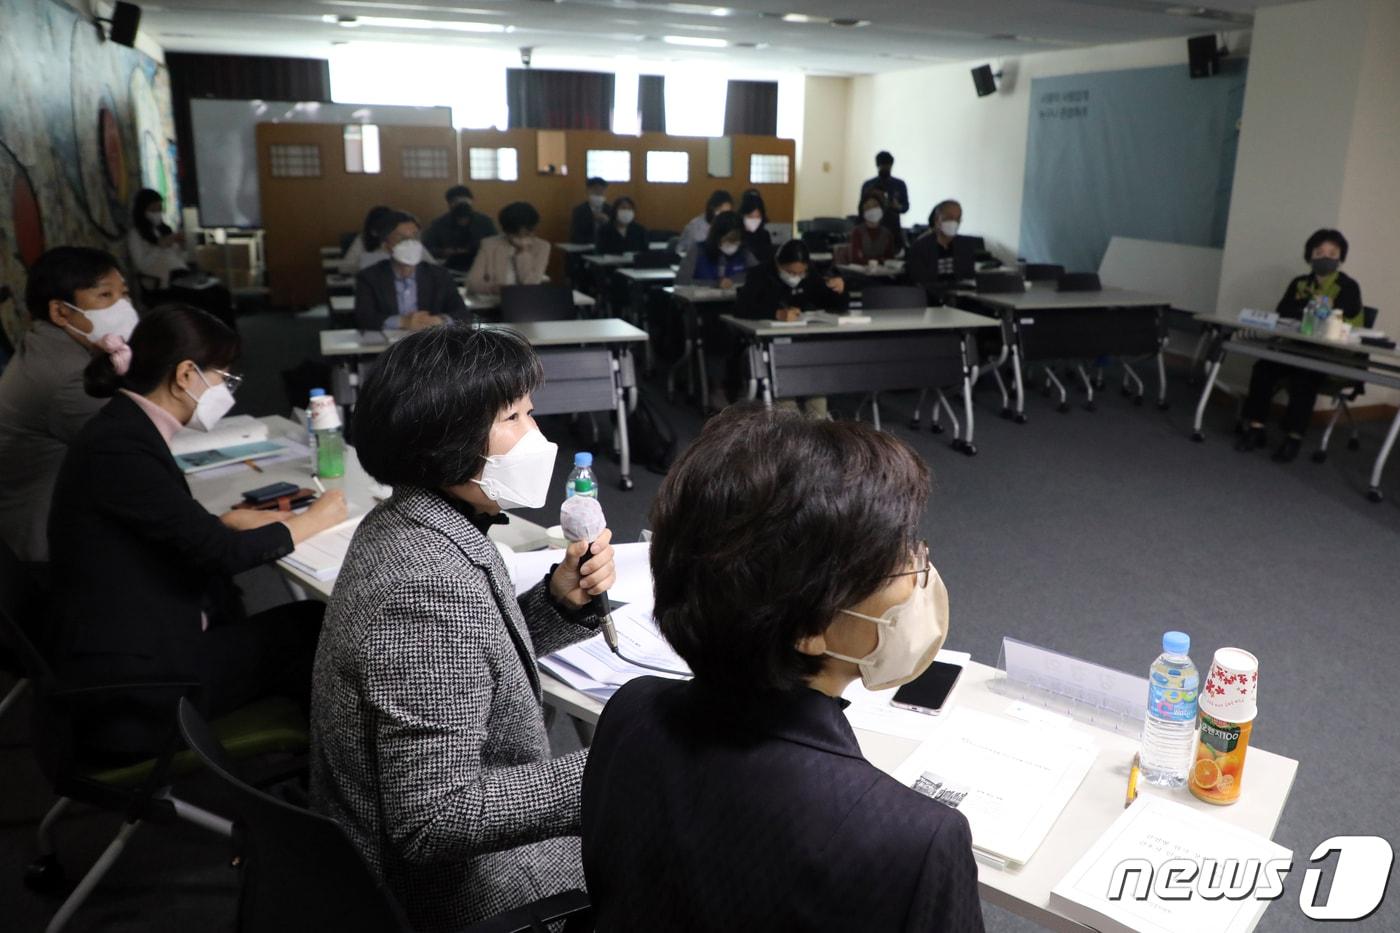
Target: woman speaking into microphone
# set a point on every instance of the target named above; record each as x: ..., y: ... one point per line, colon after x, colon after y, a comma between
x: 428, y: 737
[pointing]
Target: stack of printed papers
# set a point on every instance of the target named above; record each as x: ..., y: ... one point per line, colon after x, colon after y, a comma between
x: 592, y: 669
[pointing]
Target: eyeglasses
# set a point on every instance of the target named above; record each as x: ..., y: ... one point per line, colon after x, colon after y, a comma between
x: 232, y: 380
x: 921, y: 562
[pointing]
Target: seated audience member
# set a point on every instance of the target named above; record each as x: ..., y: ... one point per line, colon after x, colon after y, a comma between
x: 158, y: 260
x: 515, y: 256
x: 806, y: 833
x: 405, y: 292
x: 721, y: 260
x: 1325, y: 251
x: 697, y: 229
x: 157, y: 601
x: 455, y: 237
x: 940, y: 256
x: 428, y: 740
x: 757, y: 240
x: 590, y: 217
x: 78, y: 301
x: 623, y: 234
x: 364, y: 250
x: 871, y: 241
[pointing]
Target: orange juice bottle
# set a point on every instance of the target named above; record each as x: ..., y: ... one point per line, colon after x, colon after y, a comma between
x: 1218, y: 767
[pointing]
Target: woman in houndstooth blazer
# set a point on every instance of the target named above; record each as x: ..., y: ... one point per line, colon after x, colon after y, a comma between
x: 428, y: 739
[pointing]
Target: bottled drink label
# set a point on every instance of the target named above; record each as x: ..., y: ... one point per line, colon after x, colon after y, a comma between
x: 1218, y: 767
x: 1172, y: 696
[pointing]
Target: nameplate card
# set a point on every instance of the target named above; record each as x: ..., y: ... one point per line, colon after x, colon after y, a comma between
x: 1264, y: 320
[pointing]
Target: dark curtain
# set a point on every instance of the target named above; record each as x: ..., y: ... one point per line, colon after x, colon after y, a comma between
x: 751, y: 107
x: 559, y: 100
x: 235, y: 77
x: 651, y: 102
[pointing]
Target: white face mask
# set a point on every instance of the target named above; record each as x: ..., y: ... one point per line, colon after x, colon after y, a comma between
x: 949, y: 228
x: 729, y: 249
x: 118, y: 319
x: 909, y: 637
x: 210, y: 406
x: 408, y: 252
x: 873, y: 215
x: 156, y: 218
x: 790, y: 279
x: 752, y: 224
x: 625, y: 216
x: 519, y: 478
x: 596, y: 201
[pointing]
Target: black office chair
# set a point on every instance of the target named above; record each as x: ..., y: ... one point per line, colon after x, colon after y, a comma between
x: 1343, y: 394
x: 661, y: 236
x: 656, y: 259
x: 1079, y: 282
x: 1043, y: 272
x: 817, y: 241
x: 835, y: 226
x: 999, y: 283
x: 301, y: 872
x: 523, y: 304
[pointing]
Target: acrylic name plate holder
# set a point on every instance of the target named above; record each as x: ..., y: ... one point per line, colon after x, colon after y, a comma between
x: 1086, y: 692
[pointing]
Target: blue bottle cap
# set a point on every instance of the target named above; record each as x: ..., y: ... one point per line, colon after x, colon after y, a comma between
x: 583, y: 459
x: 1176, y: 643
x: 317, y: 393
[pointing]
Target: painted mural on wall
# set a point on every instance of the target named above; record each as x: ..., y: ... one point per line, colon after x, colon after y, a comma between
x: 84, y: 124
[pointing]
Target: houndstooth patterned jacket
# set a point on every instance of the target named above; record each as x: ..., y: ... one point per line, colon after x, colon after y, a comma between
x: 428, y: 742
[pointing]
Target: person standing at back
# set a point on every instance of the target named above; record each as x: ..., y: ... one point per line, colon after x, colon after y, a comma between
x: 455, y: 237
x: 894, y: 191
x: 590, y: 217
x: 77, y: 300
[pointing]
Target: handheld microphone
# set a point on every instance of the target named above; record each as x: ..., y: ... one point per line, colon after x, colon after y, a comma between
x: 581, y: 519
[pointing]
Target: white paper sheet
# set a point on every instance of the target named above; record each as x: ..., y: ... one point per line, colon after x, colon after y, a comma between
x: 322, y: 555
x: 591, y: 668
x: 632, y: 563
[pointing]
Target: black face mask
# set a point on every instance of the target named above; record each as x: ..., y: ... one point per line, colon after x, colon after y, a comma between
x: 461, y: 212
x: 1324, y: 267
x: 884, y: 171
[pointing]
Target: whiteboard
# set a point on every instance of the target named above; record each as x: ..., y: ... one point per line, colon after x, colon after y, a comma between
x: 225, y: 146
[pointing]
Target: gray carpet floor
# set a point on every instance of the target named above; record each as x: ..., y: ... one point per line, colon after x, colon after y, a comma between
x: 1089, y: 533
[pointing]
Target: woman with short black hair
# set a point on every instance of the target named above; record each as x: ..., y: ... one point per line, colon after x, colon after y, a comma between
x: 367, y: 247
x: 158, y: 258
x: 780, y: 578
x: 1325, y: 251
x: 697, y: 229
x: 721, y: 260
x: 754, y: 214
x: 428, y: 737
x: 622, y: 234
x: 515, y: 256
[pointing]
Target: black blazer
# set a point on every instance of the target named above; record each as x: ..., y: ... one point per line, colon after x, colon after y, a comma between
x: 146, y: 558
x: 613, y: 243
x: 1297, y: 294
x: 700, y: 815
x: 927, y: 251
x: 582, y: 227
x: 376, y: 300
x: 763, y: 293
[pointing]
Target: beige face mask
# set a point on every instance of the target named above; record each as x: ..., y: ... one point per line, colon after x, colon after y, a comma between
x: 909, y: 637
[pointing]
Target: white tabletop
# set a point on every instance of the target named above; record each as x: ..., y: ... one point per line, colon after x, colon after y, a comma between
x: 1046, y: 298
x: 331, y: 252
x: 703, y: 294
x: 329, y: 263
x: 882, y: 271
x: 575, y: 247
x: 607, y: 330
x: 648, y: 275
x: 1095, y: 806
x: 342, y: 302
x: 610, y: 259
x: 1288, y: 333
x: 335, y: 280
x: 938, y: 318
x: 219, y: 493
x: 821, y: 257
x: 487, y: 302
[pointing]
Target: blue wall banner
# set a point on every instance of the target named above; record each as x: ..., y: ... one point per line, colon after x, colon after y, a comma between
x: 1146, y: 153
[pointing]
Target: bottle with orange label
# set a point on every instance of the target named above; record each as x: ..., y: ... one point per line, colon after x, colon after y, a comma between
x: 1228, y: 708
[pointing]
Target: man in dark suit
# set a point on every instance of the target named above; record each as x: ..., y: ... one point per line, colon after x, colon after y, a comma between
x: 405, y: 292
x: 592, y: 215
x: 894, y: 190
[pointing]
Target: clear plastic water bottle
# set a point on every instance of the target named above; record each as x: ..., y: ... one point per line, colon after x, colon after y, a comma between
x: 1324, y: 311
x: 581, y: 481
x: 1305, y: 326
x: 1168, y: 735
x: 330, y: 442
x: 311, y: 432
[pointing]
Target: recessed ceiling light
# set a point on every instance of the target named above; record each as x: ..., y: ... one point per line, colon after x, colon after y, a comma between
x: 397, y: 22
x: 699, y: 42
x: 803, y: 18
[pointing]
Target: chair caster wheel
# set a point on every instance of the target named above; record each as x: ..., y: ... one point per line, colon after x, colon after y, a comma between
x: 1091, y: 406
x: 45, y: 875
x: 1163, y: 406
x: 1127, y: 392
x: 1374, y: 495
x: 1020, y: 417
x: 1137, y: 401
x: 936, y: 428
x: 970, y: 450
x: 626, y: 484
x: 1062, y: 408
x: 957, y: 444
x: 913, y: 424
x: 1319, y: 456
x: 1007, y: 413
x: 1353, y: 443
x: 1198, y: 437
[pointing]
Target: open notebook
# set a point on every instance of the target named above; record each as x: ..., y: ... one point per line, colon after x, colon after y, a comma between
x: 321, y: 556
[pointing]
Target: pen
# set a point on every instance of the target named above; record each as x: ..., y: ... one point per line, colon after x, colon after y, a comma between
x: 253, y: 465
x: 317, y: 480
x: 1132, y: 780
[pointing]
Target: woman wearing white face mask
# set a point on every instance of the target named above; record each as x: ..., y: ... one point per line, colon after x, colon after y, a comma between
x: 78, y: 302
x: 872, y: 241
x: 158, y: 261
x: 623, y: 234
x: 152, y: 595
x: 753, y: 761
x: 757, y: 240
x: 428, y: 737
x: 515, y: 256
x: 721, y: 259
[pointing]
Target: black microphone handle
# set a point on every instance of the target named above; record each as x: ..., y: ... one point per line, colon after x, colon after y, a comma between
x: 600, y: 603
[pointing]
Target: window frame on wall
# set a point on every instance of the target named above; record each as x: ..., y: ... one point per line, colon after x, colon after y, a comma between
x: 616, y: 167
x: 496, y: 161
x: 294, y: 160
x: 651, y: 173
x: 363, y: 153
x: 761, y: 176
x: 426, y: 163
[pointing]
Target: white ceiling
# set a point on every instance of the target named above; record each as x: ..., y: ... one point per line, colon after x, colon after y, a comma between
x: 899, y: 34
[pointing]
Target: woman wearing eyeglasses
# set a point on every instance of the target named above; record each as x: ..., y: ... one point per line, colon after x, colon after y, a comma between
x: 143, y: 574
x: 740, y: 798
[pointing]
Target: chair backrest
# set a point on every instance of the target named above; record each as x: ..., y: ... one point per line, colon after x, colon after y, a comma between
x: 1079, y: 282
x: 839, y: 226
x: 1368, y: 316
x: 300, y: 870
x: 818, y: 241
x: 1043, y: 272
x: 522, y: 304
x: 999, y: 283
x: 21, y: 607
x: 656, y: 259
x: 890, y: 297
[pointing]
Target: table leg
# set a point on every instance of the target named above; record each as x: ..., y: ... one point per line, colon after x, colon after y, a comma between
x: 624, y: 446
x: 768, y: 381
x: 1211, y: 375
x: 1052, y: 379
x: 1162, y: 379
x: 684, y: 362
x: 1020, y: 385
x: 1088, y: 387
x: 969, y: 447
x: 700, y: 361
x: 1374, y: 493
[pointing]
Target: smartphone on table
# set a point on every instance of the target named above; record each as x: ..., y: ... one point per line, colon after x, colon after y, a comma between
x: 928, y: 693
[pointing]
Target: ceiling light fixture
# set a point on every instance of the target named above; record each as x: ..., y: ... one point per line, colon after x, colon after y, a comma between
x: 699, y: 42
x: 397, y: 22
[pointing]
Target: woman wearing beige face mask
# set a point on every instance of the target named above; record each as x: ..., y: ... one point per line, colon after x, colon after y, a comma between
x: 787, y: 564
